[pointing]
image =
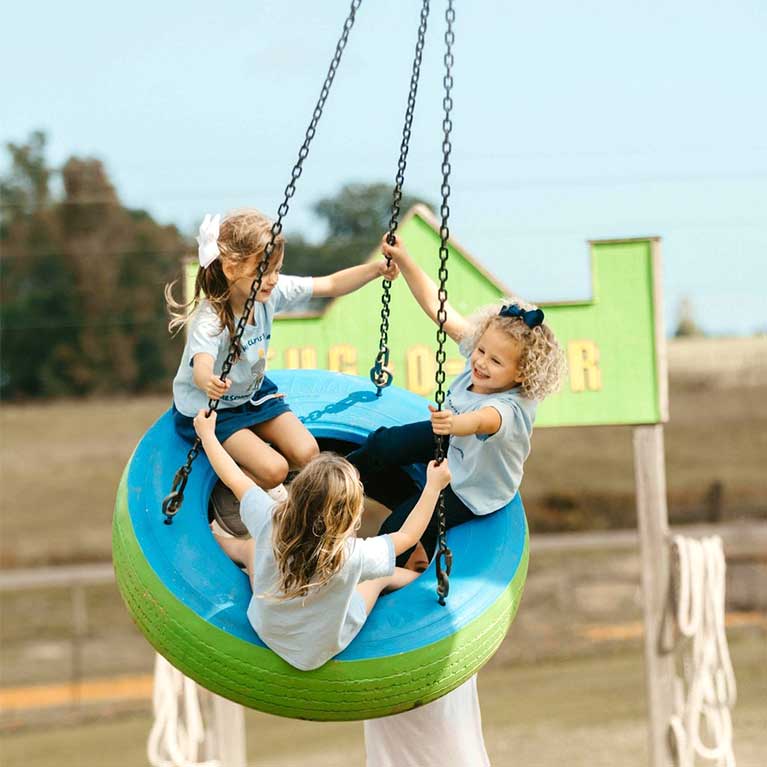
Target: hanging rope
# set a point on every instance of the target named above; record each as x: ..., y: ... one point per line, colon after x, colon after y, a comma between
x: 172, y: 502
x: 380, y: 374
x: 178, y: 732
x: 705, y: 690
x: 444, y: 561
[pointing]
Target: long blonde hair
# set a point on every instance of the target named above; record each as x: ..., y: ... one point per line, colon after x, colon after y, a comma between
x: 242, y: 240
x: 310, y: 529
x: 542, y: 364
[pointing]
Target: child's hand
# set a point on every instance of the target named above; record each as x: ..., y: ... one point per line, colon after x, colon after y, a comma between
x: 395, y: 252
x: 441, y: 420
x: 215, y: 388
x: 204, y: 424
x: 388, y: 270
x: 438, y: 475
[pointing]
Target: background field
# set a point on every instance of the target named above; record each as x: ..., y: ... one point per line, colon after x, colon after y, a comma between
x: 566, y: 687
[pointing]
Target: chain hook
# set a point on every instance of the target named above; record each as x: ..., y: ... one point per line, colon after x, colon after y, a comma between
x: 172, y: 502
x: 381, y: 374
x: 443, y: 573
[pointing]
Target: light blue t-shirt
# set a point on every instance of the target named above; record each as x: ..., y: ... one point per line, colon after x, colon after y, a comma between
x: 487, y: 470
x: 308, y: 631
x: 206, y: 335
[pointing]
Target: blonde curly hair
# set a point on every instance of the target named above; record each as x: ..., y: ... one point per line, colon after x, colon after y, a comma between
x: 542, y: 362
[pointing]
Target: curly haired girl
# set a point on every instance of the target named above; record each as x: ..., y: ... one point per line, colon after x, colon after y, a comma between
x: 314, y: 582
x: 513, y: 361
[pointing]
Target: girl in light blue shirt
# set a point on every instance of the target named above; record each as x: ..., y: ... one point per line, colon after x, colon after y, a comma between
x: 314, y: 581
x: 513, y: 361
x: 255, y: 424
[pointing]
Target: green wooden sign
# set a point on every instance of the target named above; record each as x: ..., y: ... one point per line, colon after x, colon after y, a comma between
x: 613, y: 341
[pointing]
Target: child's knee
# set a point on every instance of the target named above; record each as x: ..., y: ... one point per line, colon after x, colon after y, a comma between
x: 373, y: 454
x: 375, y: 444
x: 272, y: 472
x: 305, y: 451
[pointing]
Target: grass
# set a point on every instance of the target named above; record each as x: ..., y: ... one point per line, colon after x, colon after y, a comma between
x: 586, y: 712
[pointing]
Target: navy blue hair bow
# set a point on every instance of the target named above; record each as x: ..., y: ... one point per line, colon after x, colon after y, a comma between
x: 532, y: 317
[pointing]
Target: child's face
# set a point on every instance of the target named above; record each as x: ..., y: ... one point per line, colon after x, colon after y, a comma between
x: 243, y: 278
x: 495, y: 362
x: 417, y: 561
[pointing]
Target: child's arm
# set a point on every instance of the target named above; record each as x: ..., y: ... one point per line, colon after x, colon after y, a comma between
x: 204, y: 378
x: 223, y: 463
x: 425, y: 290
x: 348, y: 280
x: 437, y: 478
x: 486, y: 420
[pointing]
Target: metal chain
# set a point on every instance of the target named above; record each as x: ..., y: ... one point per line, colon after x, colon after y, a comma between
x: 172, y: 502
x: 444, y: 561
x: 380, y: 374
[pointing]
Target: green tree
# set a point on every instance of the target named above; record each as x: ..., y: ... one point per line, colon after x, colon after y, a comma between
x: 359, y: 212
x: 80, y: 283
x: 687, y: 325
x: 25, y: 190
x: 81, y: 276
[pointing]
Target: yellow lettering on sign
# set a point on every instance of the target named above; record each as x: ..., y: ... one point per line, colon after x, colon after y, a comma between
x: 583, y: 361
x: 343, y: 359
x: 420, y: 369
x: 300, y: 358
x: 454, y: 366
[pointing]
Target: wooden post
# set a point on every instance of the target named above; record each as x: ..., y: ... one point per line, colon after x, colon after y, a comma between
x: 649, y: 470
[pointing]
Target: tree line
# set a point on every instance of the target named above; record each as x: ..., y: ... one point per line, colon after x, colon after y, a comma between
x: 81, y: 275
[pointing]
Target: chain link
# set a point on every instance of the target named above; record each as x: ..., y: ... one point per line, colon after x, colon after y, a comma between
x: 175, y: 498
x: 444, y: 561
x: 380, y: 374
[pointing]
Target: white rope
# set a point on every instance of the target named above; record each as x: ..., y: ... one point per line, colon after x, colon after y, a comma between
x: 704, y: 691
x: 178, y: 732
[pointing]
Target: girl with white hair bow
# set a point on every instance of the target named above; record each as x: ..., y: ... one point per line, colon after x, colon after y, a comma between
x: 254, y: 424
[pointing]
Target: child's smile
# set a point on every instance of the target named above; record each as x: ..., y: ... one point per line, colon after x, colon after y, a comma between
x: 495, y: 362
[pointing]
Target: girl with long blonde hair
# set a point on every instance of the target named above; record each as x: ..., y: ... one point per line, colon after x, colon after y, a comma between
x: 314, y: 581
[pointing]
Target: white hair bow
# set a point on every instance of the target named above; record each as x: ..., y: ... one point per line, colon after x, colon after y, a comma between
x: 207, y: 240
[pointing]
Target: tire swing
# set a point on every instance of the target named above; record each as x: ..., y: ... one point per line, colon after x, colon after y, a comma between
x: 190, y: 600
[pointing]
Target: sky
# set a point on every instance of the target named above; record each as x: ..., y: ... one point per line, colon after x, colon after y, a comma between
x: 572, y: 122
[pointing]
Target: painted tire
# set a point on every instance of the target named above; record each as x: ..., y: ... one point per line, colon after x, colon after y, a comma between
x: 190, y: 601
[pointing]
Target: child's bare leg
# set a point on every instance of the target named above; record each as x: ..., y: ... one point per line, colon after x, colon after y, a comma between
x: 371, y: 590
x: 238, y: 550
x: 288, y: 435
x: 265, y: 465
